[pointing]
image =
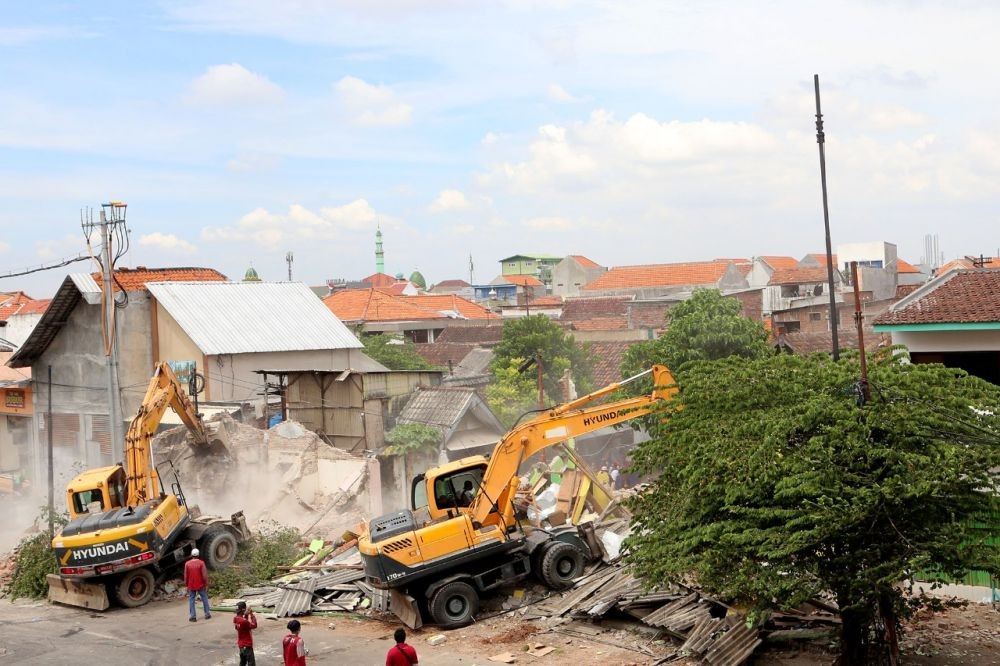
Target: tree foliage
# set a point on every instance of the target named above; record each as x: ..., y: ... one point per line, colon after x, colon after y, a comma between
x: 525, y: 337
x: 394, y: 353
x: 777, y: 484
x: 408, y: 437
x: 512, y: 392
x: 706, y: 327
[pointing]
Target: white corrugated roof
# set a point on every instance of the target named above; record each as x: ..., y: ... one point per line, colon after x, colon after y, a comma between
x: 248, y: 317
x: 88, y: 287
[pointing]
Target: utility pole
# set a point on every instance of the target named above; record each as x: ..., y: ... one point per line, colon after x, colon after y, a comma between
x: 48, y: 432
x: 112, y: 225
x: 289, y: 258
x: 821, y: 140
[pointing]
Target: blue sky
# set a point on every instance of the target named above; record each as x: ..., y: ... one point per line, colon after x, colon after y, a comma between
x: 631, y: 132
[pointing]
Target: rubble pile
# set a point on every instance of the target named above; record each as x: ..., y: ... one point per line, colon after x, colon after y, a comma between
x: 285, y: 475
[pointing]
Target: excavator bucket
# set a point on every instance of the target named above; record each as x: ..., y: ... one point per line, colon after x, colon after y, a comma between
x: 218, y: 439
x: 77, y: 593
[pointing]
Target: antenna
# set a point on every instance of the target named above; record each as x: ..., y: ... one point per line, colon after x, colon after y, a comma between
x: 289, y: 258
x: 472, y: 270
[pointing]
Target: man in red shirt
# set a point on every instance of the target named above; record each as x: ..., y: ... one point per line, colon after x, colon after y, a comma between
x: 245, y: 622
x: 401, y: 654
x: 293, y: 647
x: 196, y: 580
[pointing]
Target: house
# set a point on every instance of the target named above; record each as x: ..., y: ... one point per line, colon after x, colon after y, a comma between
x: 796, y: 288
x: 69, y: 339
x: 550, y: 306
x: 968, y: 262
x: 16, y: 409
x: 509, y: 290
x: 538, y: 266
x: 230, y: 330
x: 908, y: 274
x: 954, y: 319
x: 762, y: 268
x: 419, y: 318
x: 23, y: 320
x: 468, y: 426
x: 574, y: 271
x: 670, y: 280
x: 466, y: 352
x: 457, y: 287
x: 804, y: 343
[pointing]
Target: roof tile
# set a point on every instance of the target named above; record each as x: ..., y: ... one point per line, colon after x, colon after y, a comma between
x: 376, y: 305
x: 584, y: 261
x: 135, y: 279
x: 798, y: 276
x: 661, y: 275
x: 961, y: 297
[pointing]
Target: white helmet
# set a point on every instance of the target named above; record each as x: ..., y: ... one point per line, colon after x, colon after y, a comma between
x: 194, y: 552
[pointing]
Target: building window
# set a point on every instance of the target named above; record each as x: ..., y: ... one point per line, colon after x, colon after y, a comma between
x: 815, y: 316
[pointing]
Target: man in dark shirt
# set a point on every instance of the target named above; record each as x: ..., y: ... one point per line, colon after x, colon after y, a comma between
x: 401, y: 654
x: 245, y: 622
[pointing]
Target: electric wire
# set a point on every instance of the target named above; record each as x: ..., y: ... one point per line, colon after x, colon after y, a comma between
x: 44, y: 267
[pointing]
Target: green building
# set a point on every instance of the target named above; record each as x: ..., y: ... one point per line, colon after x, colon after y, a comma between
x: 538, y: 266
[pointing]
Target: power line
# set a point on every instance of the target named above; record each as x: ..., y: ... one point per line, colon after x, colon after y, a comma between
x: 45, y: 267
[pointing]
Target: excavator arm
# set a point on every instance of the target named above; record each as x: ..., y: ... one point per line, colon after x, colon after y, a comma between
x: 142, y: 481
x: 559, y: 424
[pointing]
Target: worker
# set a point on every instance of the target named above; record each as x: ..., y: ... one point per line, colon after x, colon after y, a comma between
x: 603, y: 476
x: 245, y: 622
x: 292, y: 646
x: 196, y: 580
x: 616, y: 476
x: 401, y: 654
x: 465, y: 497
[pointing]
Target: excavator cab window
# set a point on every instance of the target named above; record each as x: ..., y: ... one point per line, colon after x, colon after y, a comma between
x: 418, y: 493
x: 117, y: 489
x: 88, y: 501
x: 458, y: 489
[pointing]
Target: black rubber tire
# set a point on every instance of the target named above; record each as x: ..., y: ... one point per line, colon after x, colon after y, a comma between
x: 135, y: 588
x: 536, y: 560
x: 561, y: 564
x: 218, y: 548
x: 455, y: 604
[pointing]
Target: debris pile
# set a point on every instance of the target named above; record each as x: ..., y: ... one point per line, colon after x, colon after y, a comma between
x: 286, y: 475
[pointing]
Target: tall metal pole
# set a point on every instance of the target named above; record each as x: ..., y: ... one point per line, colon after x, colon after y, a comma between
x: 52, y: 489
x: 114, y: 407
x: 821, y: 140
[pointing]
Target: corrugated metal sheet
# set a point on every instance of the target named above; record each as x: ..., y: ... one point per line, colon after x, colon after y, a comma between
x: 89, y: 289
x: 249, y: 317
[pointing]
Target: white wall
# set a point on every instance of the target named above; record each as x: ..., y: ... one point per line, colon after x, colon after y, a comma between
x: 873, y: 251
x: 948, y: 341
x: 19, y: 327
x: 232, y: 376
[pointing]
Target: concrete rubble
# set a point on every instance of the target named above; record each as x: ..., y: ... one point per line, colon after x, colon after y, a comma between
x: 285, y: 475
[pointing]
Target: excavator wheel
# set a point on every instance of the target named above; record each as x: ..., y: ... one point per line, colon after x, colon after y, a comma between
x: 561, y: 564
x: 219, y: 548
x: 135, y: 588
x: 455, y: 604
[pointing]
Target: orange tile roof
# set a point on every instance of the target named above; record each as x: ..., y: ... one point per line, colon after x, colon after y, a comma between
x: 38, y: 306
x: 778, y: 262
x: 585, y: 262
x: 954, y: 263
x: 135, y: 279
x: 660, y: 275
x: 820, y: 259
x: 11, y: 304
x: 798, y: 276
x: 463, y: 306
x: 546, y: 301
x: 452, y: 283
x: 522, y: 280
x: 600, y: 324
x: 380, y: 280
x: 376, y: 305
x: 903, y: 266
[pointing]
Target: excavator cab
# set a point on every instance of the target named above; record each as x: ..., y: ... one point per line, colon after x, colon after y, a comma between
x: 96, y: 491
x: 452, y: 487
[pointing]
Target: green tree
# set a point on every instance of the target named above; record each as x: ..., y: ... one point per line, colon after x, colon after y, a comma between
x: 525, y: 337
x: 394, y: 353
x: 512, y: 392
x: 776, y: 484
x: 705, y: 327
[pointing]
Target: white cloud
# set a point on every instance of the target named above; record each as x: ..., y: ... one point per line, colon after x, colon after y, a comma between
x: 4, y: 246
x: 449, y: 200
x: 490, y: 139
x: 268, y: 229
x: 232, y: 86
x: 548, y: 224
x: 557, y: 93
x: 167, y: 242
x: 67, y: 246
x: 372, y: 105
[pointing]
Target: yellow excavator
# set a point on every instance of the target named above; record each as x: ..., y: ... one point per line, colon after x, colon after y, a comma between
x: 443, y: 552
x: 125, y: 528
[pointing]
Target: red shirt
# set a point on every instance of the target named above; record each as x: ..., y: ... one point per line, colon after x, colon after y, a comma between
x: 398, y: 653
x: 243, y: 626
x: 294, y: 649
x: 195, y: 574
